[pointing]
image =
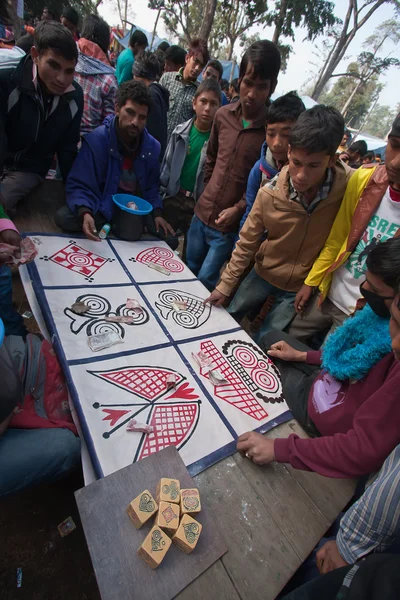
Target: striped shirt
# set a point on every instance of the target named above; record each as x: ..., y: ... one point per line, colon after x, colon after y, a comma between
x: 181, y: 94
x: 373, y: 522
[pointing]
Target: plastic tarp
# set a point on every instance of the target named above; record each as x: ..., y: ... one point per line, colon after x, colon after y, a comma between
x: 124, y: 41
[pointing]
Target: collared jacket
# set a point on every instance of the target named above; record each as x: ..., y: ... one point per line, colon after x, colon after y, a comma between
x: 174, y: 160
x: 362, y: 198
x: 29, y: 140
x: 96, y: 173
x: 295, y: 236
x: 231, y: 153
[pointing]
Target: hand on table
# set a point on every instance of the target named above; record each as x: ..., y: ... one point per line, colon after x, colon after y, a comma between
x: 256, y: 447
x: 216, y: 298
x: 161, y: 222
x: 329, y: 558
x: 89, y: 227
x: 284, y: 351
x: 302, y: 298
x: 227, y: 217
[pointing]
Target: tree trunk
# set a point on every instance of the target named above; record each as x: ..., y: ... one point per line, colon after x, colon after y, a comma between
x: 350, y: 99
x: 155, y: 29
x: 230, y: 51
x: 208, y: 19
x: 342, y: 44
x: 279, y: 22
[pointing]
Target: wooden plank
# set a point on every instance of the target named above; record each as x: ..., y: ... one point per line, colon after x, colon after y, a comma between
x: 260, y: 559
x: 213, y: 584
x: 299, y: 518
x: 113, y: 540
x: 330, y: 494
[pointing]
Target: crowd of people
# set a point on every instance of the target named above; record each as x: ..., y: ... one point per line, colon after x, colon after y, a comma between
x: 281, y: 215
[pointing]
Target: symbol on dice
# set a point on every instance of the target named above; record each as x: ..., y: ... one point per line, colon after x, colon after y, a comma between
x: 171, y: 489
x: 146, y: 504
x: 157, y: 541
x: 191, y: 532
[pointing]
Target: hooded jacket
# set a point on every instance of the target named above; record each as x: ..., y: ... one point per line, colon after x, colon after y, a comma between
x: 96, y: 173
x: 157, y: 117
x: 97, y: 79
x: 174, y: 160
x: 29, y: 140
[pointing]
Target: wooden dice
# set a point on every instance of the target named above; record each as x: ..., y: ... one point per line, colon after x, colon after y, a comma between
x: 188, y: 534
x: 142, y: 508
x: 190, y: 501
x: 155, y: 547
x: 168, y: 490
x: 168, y: 516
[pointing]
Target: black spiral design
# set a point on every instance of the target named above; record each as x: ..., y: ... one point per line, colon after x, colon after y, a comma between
x: 98, y: 306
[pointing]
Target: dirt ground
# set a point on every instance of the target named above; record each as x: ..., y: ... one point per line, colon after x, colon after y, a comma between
x: 53, y: 568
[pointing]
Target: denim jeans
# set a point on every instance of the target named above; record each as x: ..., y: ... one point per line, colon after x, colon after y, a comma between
x: 253, y: 292
x: 207, y: 251
x: 13, y: 322
x: 32, y: 456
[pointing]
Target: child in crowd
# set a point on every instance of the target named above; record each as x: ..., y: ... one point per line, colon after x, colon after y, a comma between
x: 297, y: 209
x: 183, y: 165
x: 368, y: 158
x: 281, y: 116
x: 369, y: 214
x: 236, y: 137
x: 352, y: 400
x: 354, y: 155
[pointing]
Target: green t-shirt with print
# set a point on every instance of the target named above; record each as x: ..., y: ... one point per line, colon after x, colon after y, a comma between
x: 189, y: 170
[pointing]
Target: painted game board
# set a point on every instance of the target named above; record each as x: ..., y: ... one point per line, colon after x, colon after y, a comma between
x: 128, y: 381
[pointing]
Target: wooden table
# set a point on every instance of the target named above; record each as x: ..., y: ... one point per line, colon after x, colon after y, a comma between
x: 272, y: 517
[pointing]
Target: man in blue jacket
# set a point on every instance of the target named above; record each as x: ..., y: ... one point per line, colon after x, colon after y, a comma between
x: 119, y: 156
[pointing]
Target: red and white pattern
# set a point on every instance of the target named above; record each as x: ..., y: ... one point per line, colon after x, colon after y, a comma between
x: 172, y: 424
x: 161, y: 256
x: 246, y: 375
x: 77, y: 259
x: 146, y: 382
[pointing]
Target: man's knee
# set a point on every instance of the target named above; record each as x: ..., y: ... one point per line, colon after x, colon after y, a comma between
x: 66, y: 220
x: 272, y: 337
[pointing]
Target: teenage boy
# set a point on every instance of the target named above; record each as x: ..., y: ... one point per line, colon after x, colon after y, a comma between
x: 236, y: 138
x: 182, y: 168
x: 297, y: 209
x: 147, y: 69
x: 215, y: 70
x: 182, y: 85
x: 370, y: 214
x: 174, y: 59
x: 70, y: 19
x: 233, y: 94
x: 120, y: 156
x: 137, y: 44
x: 95, y: 74
x: 40, y: 114
x: 281, y: 116
x: 354, y: 155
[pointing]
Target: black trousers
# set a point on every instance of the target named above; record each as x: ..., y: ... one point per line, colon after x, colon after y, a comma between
x: 297, y: 379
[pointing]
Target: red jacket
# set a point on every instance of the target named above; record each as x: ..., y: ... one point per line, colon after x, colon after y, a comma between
x: 359, y: 423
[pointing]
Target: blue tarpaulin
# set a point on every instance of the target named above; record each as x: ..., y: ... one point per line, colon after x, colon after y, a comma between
x: 124, y: 41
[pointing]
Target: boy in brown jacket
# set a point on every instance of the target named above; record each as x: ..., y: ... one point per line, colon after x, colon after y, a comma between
x: 234, y: 146
x: 297, y: 209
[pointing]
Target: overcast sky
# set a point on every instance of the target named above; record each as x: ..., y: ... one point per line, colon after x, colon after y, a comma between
x: 299, y: 68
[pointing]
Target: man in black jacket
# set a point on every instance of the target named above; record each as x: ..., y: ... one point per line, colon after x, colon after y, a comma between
x: 147, y: 68
x: 40, y: 112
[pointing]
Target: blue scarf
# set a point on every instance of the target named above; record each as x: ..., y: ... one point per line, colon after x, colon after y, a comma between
x: 353, y: 349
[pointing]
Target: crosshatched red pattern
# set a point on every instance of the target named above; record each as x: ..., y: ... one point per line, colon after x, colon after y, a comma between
x: 77, y: 259
x: 236, y: 392
x: 148, y: 383
x: 172, y: 424
x: 161, y: 256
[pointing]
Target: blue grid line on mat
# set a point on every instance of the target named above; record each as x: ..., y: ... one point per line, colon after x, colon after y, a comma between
x: 95, y: 359
x: 48, y: 317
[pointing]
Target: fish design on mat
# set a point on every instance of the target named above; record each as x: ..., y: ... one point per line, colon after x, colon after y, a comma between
x: 252, y: 377
x: 193, y: 316
x: 164, y: 257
